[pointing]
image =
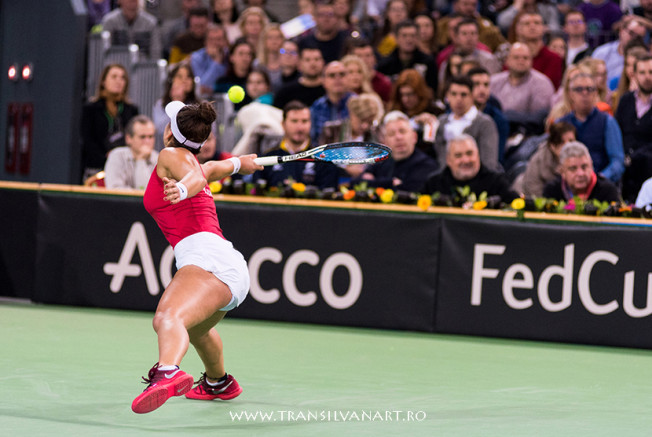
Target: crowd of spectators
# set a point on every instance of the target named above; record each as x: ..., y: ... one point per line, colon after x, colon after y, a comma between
x: 483, y: 93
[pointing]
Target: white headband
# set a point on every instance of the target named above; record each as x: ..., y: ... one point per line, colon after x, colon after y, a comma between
x: 172, y: 109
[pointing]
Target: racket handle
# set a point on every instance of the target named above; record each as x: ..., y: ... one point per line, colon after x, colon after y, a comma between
x: 266, y: 160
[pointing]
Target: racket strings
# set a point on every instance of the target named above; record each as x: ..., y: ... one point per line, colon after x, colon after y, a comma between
x: 351, y: 153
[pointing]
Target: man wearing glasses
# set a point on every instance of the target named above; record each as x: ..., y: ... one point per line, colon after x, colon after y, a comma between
x: 598, y: 130
x: 331, y: 106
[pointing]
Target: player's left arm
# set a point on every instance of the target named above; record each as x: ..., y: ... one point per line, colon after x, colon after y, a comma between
x: 180, y: 173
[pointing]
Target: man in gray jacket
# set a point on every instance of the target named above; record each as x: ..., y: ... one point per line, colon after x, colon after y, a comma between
x: 465, y: 118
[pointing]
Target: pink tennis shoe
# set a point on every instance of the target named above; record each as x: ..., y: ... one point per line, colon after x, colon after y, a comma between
x: 228, y: 389
x: 162, y: 385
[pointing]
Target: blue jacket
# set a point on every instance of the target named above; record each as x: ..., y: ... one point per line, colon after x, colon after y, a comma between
x: 601, y: 134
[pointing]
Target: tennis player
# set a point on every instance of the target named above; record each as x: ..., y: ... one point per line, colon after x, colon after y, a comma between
x: 211, y: 278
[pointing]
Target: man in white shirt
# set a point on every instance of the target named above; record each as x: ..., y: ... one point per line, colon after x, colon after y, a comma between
x: 465, y: 118
x: 131, y: 166
x: 575, y: 30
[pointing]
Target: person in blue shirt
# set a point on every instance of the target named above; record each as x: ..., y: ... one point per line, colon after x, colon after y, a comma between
x: 331, y: 106
x: 598, y: 130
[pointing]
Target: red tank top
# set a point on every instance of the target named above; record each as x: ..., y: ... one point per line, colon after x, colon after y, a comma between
x: 190, y: 216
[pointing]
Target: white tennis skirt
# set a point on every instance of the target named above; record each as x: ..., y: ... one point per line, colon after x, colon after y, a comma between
x: 216, y: 255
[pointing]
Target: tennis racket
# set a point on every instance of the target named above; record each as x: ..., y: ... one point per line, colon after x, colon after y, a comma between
x: 337, y: 153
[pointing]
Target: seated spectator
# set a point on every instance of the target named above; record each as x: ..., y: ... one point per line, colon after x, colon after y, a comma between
x: 426, y: 34
x: 211, y: 62
x: 396, y: 11
x: 601, y: 15
x: 358, y: 80
x: 407, y: 55
x: 626, y: 82
x: 332, y: 105
x: 177, y: 23
x: 634, y: 116
x: 104, y: 119
x: 289, y: 60
x: 362, y: 124
x: 408, y: 167
x: 548, y: 12
x: 241, y: 58
x: 463, y: 168
x: 523, y: 92
x: 193, y: 39
x: 269, y: 54
x: 465, y: 41
x: 251, y: 22
x: 258, y: 87
x: 262, y: 4
x: 529, y: 30
x: 490, y: 34
x: 129, y: 24
x: 445, y: 52
x: 489, y: 105
x: 575, y: 30
x: 179, y: 85
x: 561, y: 103
x: 225, y: 13
x: 557, y: 44
x: 363, y: 49
x: 326, y: 35
x: 543, y: 166
x: 598, y: 69
x: 466, y: 118
x: 597, y: 130
x: 644, y: 198
x: 130, y: 166
x: 450, y: 70
x: 612, y: 53
x: 577, y: 178
x: 308, y: 87
x: 296, y: 124
x: 414, y: 98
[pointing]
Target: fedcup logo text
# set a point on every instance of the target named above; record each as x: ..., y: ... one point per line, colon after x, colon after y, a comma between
x: 328, y: 416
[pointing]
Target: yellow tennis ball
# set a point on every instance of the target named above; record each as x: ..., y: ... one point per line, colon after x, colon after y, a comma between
x: 236, y: 94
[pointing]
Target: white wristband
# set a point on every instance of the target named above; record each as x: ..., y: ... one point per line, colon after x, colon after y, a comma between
x: 183, y: 191
x: 236, y: 164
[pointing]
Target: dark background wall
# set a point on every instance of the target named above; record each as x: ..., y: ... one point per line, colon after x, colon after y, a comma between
x: 51, y: 35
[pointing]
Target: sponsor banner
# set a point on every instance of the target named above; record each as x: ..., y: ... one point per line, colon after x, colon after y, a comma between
x: 336, y: 266
x: 585, y: 284
x: 18, y: 242
x: 313, y: 265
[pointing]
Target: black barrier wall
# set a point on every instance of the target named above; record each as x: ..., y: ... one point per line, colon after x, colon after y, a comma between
x: 563, y: 283
x: 417, y: 271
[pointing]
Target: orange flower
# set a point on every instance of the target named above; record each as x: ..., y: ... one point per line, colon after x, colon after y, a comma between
x: 479, y: 205
x: 299, y: 187
x: 379, y: 191
x: 349, y: 194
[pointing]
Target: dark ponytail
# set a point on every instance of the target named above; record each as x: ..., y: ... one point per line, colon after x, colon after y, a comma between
x: 195, y: 122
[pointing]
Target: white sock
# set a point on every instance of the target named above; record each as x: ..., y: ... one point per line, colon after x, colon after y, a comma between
x: 166, y: 368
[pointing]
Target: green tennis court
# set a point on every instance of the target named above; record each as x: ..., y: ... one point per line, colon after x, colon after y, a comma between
x: 74, y: 372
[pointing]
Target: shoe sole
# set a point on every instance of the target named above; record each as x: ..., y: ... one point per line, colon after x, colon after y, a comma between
x: 157, y: 396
